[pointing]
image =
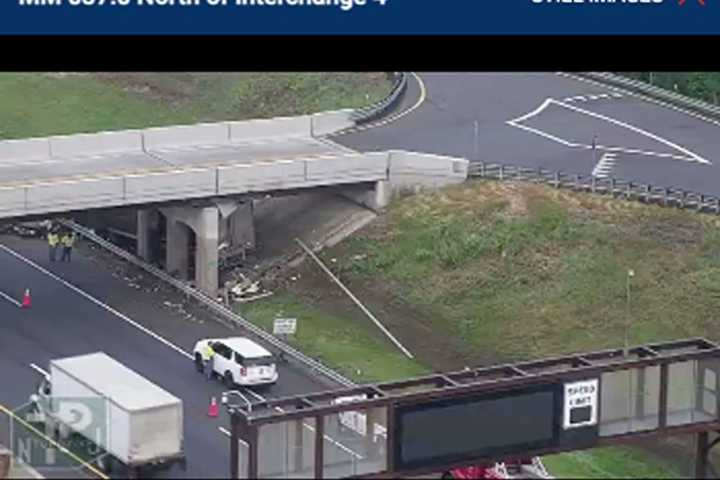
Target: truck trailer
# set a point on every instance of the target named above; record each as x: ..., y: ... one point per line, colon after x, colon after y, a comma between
x: 128, y: 418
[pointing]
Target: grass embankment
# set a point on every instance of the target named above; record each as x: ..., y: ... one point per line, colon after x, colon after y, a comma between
x: 514, y: 272
x: 353, y: 349
x: 41, y: 104
x: 611, y: 462
x: 525, y: 271
x: 701, y: 85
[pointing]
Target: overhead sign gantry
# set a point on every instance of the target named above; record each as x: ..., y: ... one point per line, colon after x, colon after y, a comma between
x: 474, y: 416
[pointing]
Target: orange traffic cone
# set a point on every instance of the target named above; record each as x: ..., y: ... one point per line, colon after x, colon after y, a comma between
x: 26, y: 299
x: 213, y: 408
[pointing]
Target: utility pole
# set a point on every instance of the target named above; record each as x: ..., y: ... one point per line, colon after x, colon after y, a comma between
x: 476, y: 147
x: 630, y: 274
x: 594, y: 149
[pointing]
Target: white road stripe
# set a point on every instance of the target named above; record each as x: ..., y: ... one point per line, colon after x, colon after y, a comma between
x: 642, y: 97
x: 10, y: 299
x: 39, y: 370
x: 97, y: 302
x: 138, y: 326
x: 516, y: 123
x: 604, y: 166
x: 636, y: 130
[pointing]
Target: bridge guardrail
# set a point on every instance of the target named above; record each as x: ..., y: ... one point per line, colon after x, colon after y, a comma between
x: 287, y: 350
x: 620, y: 188
x: 639, y: 86
x: 372, y: 112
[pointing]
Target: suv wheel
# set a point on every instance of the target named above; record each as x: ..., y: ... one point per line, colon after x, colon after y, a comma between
x: 228, y: 380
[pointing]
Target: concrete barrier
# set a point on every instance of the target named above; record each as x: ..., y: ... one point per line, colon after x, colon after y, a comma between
x: 250, y: 130
x: 75, y: 194
x: 184, y: 136
x: 12, y: 201
x: 16, y: 151
x: 420, y: 169
x: 347, y: 168
x: 330, y: 122
x: 91, y: 144
x: 261, y: 176
x: 170, y: 185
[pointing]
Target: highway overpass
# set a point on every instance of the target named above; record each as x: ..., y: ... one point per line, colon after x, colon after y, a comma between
x: 201, y: 178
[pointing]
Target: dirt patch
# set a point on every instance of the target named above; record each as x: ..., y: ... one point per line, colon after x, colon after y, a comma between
x: 170, y: 88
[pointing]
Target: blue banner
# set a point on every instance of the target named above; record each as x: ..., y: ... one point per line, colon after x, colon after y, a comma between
x: 361, y: 17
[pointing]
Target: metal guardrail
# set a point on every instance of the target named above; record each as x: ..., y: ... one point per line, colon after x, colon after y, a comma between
x: 653, y: 91
x: 630, y: 190
x: 288, y: 351
x: 372, y: 112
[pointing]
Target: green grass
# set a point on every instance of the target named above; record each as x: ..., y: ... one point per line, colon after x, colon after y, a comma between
x: 550, y: 280
x: 40, y: 104
x: 355, y: 350
x: 611, y: 462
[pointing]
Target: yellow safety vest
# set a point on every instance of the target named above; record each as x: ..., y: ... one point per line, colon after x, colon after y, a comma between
x: 53, y: 239
x: 68, y: 240
x: 208, y: 353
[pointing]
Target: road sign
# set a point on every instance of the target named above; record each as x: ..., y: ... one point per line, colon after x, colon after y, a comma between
x: 285, y: 326
x: 580, y: 404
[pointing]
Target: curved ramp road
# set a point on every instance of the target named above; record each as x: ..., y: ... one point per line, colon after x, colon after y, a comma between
x: 552, y: 120
x: 81, y: 308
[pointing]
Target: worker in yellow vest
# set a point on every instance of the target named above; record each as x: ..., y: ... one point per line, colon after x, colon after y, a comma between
x: 67, y: 240
x: 208, y: 358
x: 53, y: 240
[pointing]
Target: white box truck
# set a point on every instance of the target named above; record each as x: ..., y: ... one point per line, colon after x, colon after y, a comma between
x: 131, y: 420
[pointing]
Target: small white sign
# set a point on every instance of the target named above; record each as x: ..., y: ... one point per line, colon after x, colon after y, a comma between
x: 580, y: 404
x: 285, y: 326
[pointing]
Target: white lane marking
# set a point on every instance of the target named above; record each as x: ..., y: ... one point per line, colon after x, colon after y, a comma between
x: 547, y: 135
x: 225, y: 431
x: 97, y: 302
x: 39, y: 370
x: 533, y: 113
x: 10, y: 299
x: 550, y: 101
x: 139, y: 327
x: 104, y: 306
x: 639, y: 152
x: 642, y: 97
x: 593, y: 96
x: 145, y: 330
x: 604, y: 166
x: 635, y: 129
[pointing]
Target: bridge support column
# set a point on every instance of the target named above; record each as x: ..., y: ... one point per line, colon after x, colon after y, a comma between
x: 177, y: 246
x: 237, y: 227
x: 206, y: 251
x: 204, y: 222
x: 147, y: 234
x: 375, y: 196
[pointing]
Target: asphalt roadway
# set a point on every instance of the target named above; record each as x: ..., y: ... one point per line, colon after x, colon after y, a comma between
x: 549, y: 120
x: 64, y: 322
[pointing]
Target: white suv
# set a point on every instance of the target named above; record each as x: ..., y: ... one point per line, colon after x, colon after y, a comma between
x: 238, y: 361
